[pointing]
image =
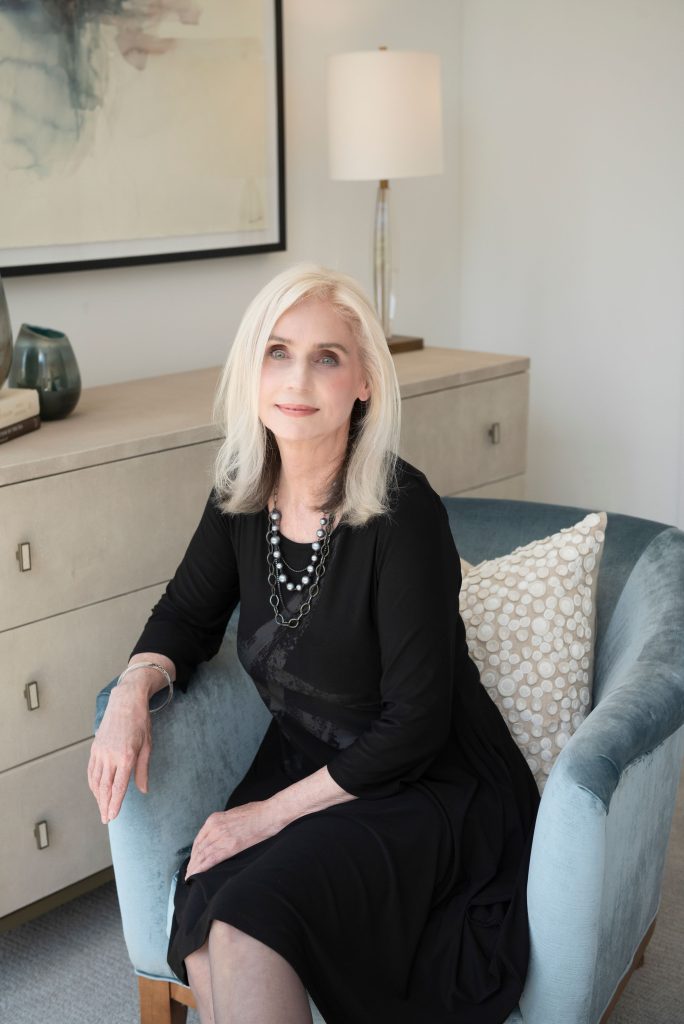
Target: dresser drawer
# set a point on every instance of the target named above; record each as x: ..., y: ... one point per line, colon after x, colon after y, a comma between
x: 70, y: 657
x: 55, y: 790
x: 99, y: 532
x: 449, y: 431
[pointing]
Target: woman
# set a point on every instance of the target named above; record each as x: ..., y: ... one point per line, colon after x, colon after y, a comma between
x: 376, y: 851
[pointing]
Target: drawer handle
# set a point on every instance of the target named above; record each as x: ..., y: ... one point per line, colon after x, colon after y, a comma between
x: 41, y: 833
x: 24, y: 556
x: 32, y: 695
x: 495, y: 433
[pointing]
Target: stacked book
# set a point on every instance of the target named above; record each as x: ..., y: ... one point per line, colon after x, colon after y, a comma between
x: 19, y: 412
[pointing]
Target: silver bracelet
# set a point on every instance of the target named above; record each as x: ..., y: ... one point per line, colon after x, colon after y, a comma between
x: 160, y: 668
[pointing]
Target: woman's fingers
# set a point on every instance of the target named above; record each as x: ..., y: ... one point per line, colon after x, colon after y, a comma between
x: 104, y: 791
x: 123, y: 743
x: 95, y: 773
x: 108, y: 783
x: 208, y: 844
x: 118, y: 791
x: 142, y: 766
x: 196, y: 852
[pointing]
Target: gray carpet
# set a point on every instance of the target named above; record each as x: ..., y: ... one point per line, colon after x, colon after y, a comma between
x: 71, y: 967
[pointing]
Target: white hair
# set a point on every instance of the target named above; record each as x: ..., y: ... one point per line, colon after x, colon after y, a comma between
x: 248, y: 461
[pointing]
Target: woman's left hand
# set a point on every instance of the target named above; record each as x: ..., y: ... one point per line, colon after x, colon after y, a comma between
x: 225, y: 833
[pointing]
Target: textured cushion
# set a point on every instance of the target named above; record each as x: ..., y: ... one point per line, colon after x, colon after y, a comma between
x: 530, y: 621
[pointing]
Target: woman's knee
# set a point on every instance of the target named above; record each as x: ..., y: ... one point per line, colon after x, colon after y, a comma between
x: 198, y: 968
x: 221, y: 931
x: 199, y: 955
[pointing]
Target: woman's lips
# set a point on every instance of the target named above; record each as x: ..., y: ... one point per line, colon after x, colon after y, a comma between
x: 296, y: 410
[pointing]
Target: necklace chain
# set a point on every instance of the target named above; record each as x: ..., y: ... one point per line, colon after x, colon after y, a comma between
x: 275, y: 562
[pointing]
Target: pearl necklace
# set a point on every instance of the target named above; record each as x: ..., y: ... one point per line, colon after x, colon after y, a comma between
x: 275, y: 561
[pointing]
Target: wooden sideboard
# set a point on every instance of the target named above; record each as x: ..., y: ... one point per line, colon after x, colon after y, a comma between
x: 94, y: 524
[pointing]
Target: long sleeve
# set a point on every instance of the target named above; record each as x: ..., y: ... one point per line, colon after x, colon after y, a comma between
x: 418, y: 580
x: 188, y: 622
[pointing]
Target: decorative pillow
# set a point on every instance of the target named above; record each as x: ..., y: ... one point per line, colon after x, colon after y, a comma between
x: 530, y: 618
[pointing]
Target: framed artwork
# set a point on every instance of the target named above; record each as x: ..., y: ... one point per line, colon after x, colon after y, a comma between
x: 139, y: 131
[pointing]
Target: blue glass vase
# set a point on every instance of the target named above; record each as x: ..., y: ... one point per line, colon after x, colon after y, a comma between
x: 44, y: 360
x: 5, y: 337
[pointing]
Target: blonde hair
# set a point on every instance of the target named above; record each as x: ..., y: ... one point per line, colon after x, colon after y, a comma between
x: 248, y: 461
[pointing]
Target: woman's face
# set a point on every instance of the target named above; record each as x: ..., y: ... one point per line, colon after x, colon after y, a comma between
x: 312, y: 359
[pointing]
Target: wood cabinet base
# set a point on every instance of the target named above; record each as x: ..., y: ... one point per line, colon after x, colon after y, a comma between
x: 55, y: 899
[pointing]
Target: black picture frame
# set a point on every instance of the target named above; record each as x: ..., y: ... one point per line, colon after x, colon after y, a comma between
x: 80, y: 261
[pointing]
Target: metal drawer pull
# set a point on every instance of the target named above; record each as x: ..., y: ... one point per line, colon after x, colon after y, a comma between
x: 495, y: 433
x: 41, y: 834
x: 24, y: 556
x: 31, y: 694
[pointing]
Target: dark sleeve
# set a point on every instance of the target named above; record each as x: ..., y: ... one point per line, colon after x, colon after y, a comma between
x: 418, y: 583
x: 188, y: 622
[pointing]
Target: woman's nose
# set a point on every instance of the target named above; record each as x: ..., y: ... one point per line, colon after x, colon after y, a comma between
x: 299, y: 373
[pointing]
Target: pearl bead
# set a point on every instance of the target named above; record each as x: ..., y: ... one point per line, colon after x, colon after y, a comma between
x: 298, y: 587
x: 316, y: 546
x: 290, y: 586
x: 282, y: 576
x: 309, y: 568
x: 305, y: 580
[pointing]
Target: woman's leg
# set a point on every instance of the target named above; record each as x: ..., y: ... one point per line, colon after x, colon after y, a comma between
x: 251, y: 983
x: 199, y: 976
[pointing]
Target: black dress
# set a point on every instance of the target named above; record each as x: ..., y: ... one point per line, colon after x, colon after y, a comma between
x: 407, y: 904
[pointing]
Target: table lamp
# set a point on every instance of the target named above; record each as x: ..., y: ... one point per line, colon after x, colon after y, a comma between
x: 384, y: 121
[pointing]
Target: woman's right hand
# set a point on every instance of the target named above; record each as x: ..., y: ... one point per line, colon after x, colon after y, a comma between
x: 123, y: 743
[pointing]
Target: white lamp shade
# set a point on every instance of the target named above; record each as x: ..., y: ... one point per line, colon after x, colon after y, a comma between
x: 384, y: 115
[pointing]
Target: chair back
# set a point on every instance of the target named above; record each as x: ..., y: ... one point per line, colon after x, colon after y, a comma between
x: 489, y: 527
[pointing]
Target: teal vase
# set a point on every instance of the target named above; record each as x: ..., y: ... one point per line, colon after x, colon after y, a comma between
x: 5, y: 337
x: 44, y: 360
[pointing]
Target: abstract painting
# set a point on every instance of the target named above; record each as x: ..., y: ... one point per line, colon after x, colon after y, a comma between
x: 136, y: 131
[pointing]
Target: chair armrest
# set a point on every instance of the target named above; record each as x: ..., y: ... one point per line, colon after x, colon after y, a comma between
x: 604, y: 821
x: 594, y: 882
x: 202, y: 745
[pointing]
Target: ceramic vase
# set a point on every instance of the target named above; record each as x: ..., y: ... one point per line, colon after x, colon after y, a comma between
x: 5, y: 337
x: 44, y: 360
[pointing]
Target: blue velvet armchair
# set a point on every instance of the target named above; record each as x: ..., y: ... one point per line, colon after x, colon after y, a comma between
x: 604, y: 819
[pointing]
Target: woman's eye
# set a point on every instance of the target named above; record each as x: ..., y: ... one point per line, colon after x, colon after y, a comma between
x: 325, y: 355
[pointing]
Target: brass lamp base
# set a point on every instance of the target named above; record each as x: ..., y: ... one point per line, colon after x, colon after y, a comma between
x: 403, y: 343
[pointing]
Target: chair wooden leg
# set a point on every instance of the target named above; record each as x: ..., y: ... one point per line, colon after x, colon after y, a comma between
x: 164, y: 1002
x: 637, y: 962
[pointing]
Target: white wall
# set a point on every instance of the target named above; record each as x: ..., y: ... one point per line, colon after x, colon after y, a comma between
x: 141, y: 321
x: 572, y: 236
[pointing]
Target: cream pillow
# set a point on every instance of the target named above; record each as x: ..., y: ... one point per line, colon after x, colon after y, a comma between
x: 530, y: 618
